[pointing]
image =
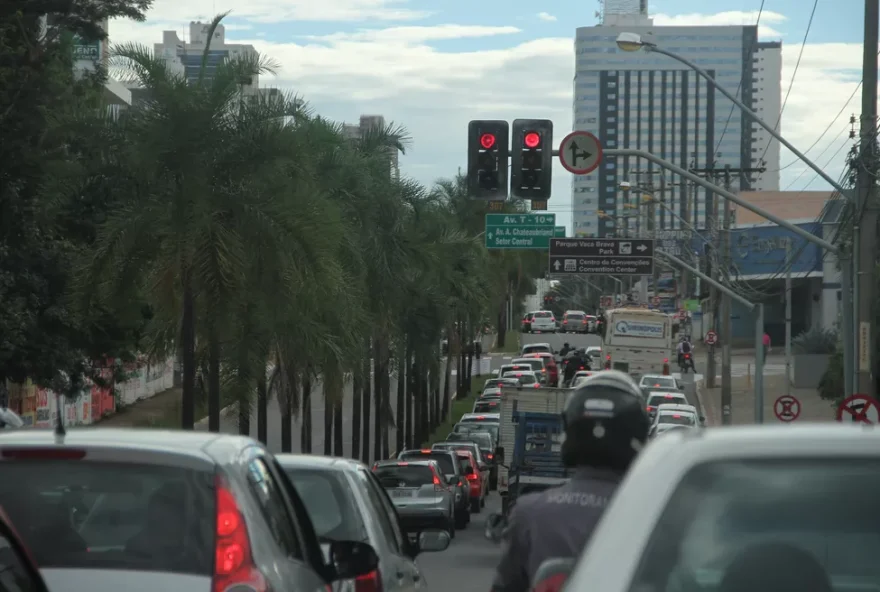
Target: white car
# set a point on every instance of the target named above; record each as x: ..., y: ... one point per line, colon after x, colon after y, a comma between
x: 525, y: 378
x: 675, y: 416
x: 536, y: 348
x: 543, y: 321
x: 745, y: 508
x: 658, y: 381
x: 658, y: 398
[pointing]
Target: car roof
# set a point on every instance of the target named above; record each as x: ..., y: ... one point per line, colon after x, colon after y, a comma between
x: 187, y: 447
x: 393, y: 462
x: 486, y: 415
x: 535, y: 345
x: 547, y: 355
x: 663, y: 393
x: 655, y: 376
x: 676, y: 408
x: 314, y: 461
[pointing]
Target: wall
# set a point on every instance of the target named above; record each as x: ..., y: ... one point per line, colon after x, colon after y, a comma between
x: 38, y: 406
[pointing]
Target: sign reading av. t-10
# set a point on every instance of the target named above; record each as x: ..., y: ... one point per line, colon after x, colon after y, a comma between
x: 601, y: 256
x: 519, y: 231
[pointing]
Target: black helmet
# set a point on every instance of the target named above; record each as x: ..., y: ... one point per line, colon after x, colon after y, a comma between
x: 565, y: 344
x: 605, y: 422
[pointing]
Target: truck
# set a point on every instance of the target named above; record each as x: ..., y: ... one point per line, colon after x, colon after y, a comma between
x: 530, y: 437
x: 638, y: 341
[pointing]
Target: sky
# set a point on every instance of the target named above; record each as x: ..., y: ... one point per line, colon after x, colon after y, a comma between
x: 432, y: 67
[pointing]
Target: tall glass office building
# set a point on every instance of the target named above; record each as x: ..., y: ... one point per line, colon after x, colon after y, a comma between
x: 651, y: 102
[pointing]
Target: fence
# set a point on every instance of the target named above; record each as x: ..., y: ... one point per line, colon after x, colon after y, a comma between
x: 38, y: 407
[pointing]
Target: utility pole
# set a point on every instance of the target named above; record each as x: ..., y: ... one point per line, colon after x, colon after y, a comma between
x: 722, y: 301
x: 865, y: 230
x: 787, y: 318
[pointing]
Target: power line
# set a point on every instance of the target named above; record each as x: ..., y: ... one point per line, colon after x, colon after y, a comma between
x: 746, y: 72
x: 797, y: 65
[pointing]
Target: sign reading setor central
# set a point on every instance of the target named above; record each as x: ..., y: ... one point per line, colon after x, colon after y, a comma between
x: 601, y: 256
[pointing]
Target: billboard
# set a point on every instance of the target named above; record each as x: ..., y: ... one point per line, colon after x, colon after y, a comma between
x: 763, y: 250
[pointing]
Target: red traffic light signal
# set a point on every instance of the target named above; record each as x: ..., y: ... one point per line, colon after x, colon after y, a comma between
x: 487, y: 141
x: 532, y: 139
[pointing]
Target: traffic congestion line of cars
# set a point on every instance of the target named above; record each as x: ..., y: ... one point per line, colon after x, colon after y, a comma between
x: 110, y: 509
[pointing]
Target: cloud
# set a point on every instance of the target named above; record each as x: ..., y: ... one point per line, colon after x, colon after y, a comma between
x: 730, y: 17
x: 545, y: 16
x: 434, y: 91
x: 273, y: 11
x: 412, y: 35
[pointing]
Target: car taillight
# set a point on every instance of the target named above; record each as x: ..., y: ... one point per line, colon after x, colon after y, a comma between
x: 233, y: 563
x: 537, y: 385
x: 581, y: 368
x: 551, y: 584
x: 490, y: 456
x: 460, y: 483
x: 44, y: 453
x: 473, y: 477
x: 371, y: 582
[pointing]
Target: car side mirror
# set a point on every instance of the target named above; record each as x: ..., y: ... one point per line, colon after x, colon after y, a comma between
x: 432, y: 541
x: 552, y: 574
x: 351, y: 559
x: 702, y: 419
x: 495, y: 372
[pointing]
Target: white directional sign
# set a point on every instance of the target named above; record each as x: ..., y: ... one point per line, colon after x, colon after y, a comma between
x: 580, y: 152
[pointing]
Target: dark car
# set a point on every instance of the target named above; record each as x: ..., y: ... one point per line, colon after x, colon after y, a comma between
x: 346, y: 502
x: 454, y: 476
x: 18, y: 570
x: 111, y: 509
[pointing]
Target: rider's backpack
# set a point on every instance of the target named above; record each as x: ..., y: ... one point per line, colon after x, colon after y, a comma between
x: 686, y: 347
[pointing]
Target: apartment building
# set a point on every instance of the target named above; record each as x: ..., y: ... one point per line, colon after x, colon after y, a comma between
x: 367, y: 122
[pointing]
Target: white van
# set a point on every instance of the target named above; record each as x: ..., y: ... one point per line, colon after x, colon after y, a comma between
x: 638, y: 341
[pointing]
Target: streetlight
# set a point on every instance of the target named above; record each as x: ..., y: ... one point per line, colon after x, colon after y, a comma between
x: 631, y: 42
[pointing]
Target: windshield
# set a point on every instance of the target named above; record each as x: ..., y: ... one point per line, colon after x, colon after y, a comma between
x: 95, y: 515
x: 658, y: 382
x: 536, y: 349
x: 543, y: 315
x: 574, y: 317
x: 534, y: 364
x: 404, y: 475
x: 685, y: 419
x: 330, y: 504
x: 767, y: 526
x: 487, y: 406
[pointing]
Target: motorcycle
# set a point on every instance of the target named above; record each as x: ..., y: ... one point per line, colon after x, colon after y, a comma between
x: 686, y: 361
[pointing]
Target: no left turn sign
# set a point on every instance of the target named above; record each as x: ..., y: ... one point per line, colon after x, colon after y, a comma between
x: 859, y: 409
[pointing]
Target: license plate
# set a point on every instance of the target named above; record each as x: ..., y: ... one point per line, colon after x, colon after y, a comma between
x: 402, y: 493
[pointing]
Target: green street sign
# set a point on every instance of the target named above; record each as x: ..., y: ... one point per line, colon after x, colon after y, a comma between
x: 559, y: 232
x: 520, y: 231
x: 86, y: 50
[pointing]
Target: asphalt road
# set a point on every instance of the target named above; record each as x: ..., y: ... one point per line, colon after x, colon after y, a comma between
x: 229, y: 419
x: 556, y: 340
x: 469, y: 562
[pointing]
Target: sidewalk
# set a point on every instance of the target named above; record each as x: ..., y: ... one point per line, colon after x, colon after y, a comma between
x: 162, y: 410
x: 813, y: 408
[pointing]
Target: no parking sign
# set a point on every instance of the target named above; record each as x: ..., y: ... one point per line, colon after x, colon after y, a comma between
x: 859, y: 409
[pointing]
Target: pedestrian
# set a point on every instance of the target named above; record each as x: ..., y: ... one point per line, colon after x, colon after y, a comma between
x: 767, y: 347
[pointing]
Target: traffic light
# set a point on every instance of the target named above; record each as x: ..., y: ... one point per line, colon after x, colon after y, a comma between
x: 531, y: 161
x: 488, y: 142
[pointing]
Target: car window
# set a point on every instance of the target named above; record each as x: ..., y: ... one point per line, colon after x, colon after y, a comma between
x: 14, y: 574
x: 486, y: 406
x: 767, y: 525
x: 383, y: 509
x: 543, y: 315
x: 659, y: 382
x: 685, y: 419
x: 97, y: 515
x: 404, y: 475
x: 272, y: 502
x: 523, y: 378
x: 666, y: 399
x: 444, y: 460
x: 330, y: 504
x: 574, y: 317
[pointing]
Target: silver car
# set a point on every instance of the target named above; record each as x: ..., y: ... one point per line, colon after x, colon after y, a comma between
x: 543, y: 321
x: 423, y: 498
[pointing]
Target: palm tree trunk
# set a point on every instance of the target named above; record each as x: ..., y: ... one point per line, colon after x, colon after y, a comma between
x: 357, y: 385
x: 424, y: 395
x: 378, y: 353
x: 447, y: 376
x: 365, y: 407
x: 418, y: 404
x: 434, y: 386
x: 262, y: 410
x: 244, y: 414
x: 399, y: 435
x: 328, y: 426
x: 213, y: 383
x: 502, y: 325
x: 409, y: 424
x: 305, y: 435
x: 188, y: 356
x: 337, y: 429
x: 388, y: 415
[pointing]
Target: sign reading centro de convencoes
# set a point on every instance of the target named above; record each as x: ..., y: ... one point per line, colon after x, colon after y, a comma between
x: 519, y: 231
x: 601, y: 256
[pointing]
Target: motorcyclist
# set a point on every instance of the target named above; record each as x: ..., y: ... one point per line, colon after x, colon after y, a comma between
x: 565, y: 349
x: 605, y: 428
x: 572, y: 364
x: 684, y: 347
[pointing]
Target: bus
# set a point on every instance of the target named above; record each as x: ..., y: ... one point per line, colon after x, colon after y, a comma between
x: 638, y: 341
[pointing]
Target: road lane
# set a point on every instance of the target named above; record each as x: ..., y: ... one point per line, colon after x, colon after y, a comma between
x: 556, y: 340
x: 469, y: 562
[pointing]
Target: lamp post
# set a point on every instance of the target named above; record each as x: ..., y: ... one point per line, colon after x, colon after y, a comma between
x: 849, y: 264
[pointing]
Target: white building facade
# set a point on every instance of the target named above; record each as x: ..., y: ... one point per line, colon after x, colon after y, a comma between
x: 650, y: 102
